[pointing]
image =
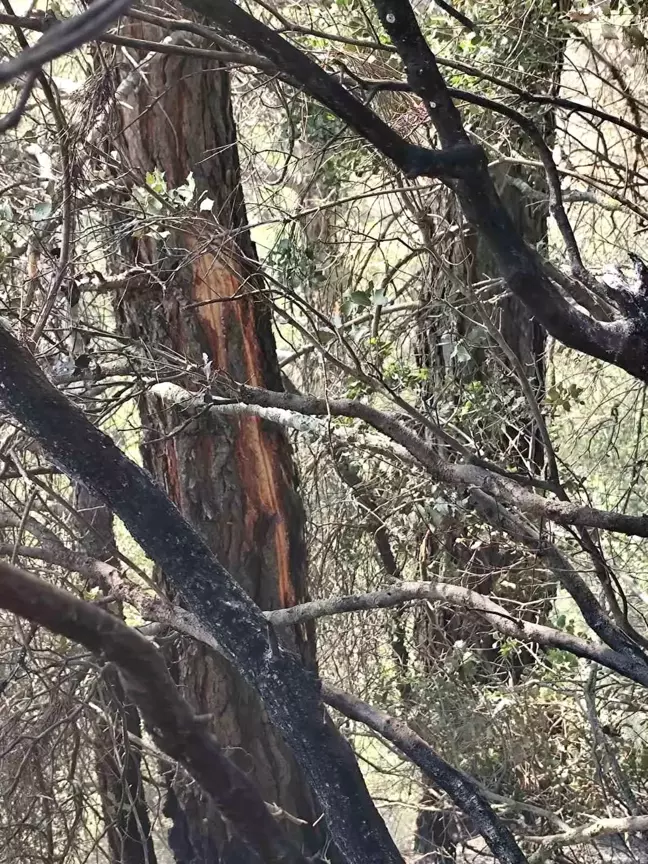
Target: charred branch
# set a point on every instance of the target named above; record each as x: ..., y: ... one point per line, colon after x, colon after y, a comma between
x: 220, y: 604
x: 456, y: 784
x: 171, y: 722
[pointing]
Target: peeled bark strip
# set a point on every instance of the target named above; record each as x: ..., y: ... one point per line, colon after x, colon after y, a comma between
x: 463, y: 166
x: 232, y: 478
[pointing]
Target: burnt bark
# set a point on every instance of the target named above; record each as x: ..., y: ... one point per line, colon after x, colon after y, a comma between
x: 233, y: 479
x: 290, y: 692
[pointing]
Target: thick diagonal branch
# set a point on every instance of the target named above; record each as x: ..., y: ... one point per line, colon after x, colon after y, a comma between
x: 412, y: 159
x: 289, y: 691
x: 456, y: 784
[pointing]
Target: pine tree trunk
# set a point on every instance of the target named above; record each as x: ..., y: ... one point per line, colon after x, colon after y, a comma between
x: 233, y: 478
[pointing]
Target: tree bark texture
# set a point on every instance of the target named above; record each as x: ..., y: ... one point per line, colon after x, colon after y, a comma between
x: 117, y: 757
x: 233, y: 479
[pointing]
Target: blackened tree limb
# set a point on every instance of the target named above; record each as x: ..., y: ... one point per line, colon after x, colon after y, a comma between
x: 290, y: 692
x: 64, y: 36
x: 406, y: 592
x: 457, y: 15
x: 460, y: 163
x: 555, y: 198
x: 174, y: 727
x: 410, y: 158
x: 619, y: 342
x: 502, y: 619
x: 459, y: 787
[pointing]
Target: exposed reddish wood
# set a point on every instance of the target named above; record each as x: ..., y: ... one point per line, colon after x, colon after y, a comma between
x: 232, y: 479
x: 256, y: 453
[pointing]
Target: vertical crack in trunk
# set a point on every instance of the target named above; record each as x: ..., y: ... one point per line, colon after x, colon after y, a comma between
x: 233, y: 478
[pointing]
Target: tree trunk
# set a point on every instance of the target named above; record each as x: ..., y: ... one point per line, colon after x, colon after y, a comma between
x: 119, y: 778
x: 462, y: 362
x: 117, y: 756
x: 228, y: 472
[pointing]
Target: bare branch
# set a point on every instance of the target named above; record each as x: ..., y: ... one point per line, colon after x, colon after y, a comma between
x: 458, y: 785
x: 587, y: 833
x: 413, y: 160
x: 64, y: 36
x: 173, y: 725
x: 503, y: 620
x: 458, y: 474
x: 459, y: 163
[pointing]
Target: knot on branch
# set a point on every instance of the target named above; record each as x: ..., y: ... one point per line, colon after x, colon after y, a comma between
x: 630, y: 294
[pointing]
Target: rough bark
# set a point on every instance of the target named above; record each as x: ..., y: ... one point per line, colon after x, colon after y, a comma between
x: 233, y: 479
x: 118, y: 757
x: 447, y: 310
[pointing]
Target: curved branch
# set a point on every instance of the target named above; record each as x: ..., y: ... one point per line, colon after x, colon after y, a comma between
x: 290, y: 692
x: 461, y: 164
x: 461, y: 789
x: 458, y: 474
x: 64, y: 36
x: 587, y: 833
x: 412, y: 159
x: 503, y: 620
x: 174, y: 727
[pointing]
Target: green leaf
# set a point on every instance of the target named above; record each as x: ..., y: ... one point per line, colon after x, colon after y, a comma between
x: 155, y: 181
x: 379, y: 298
x: 42, y: 211
x: 460, y: 353
x: 360, y: 298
